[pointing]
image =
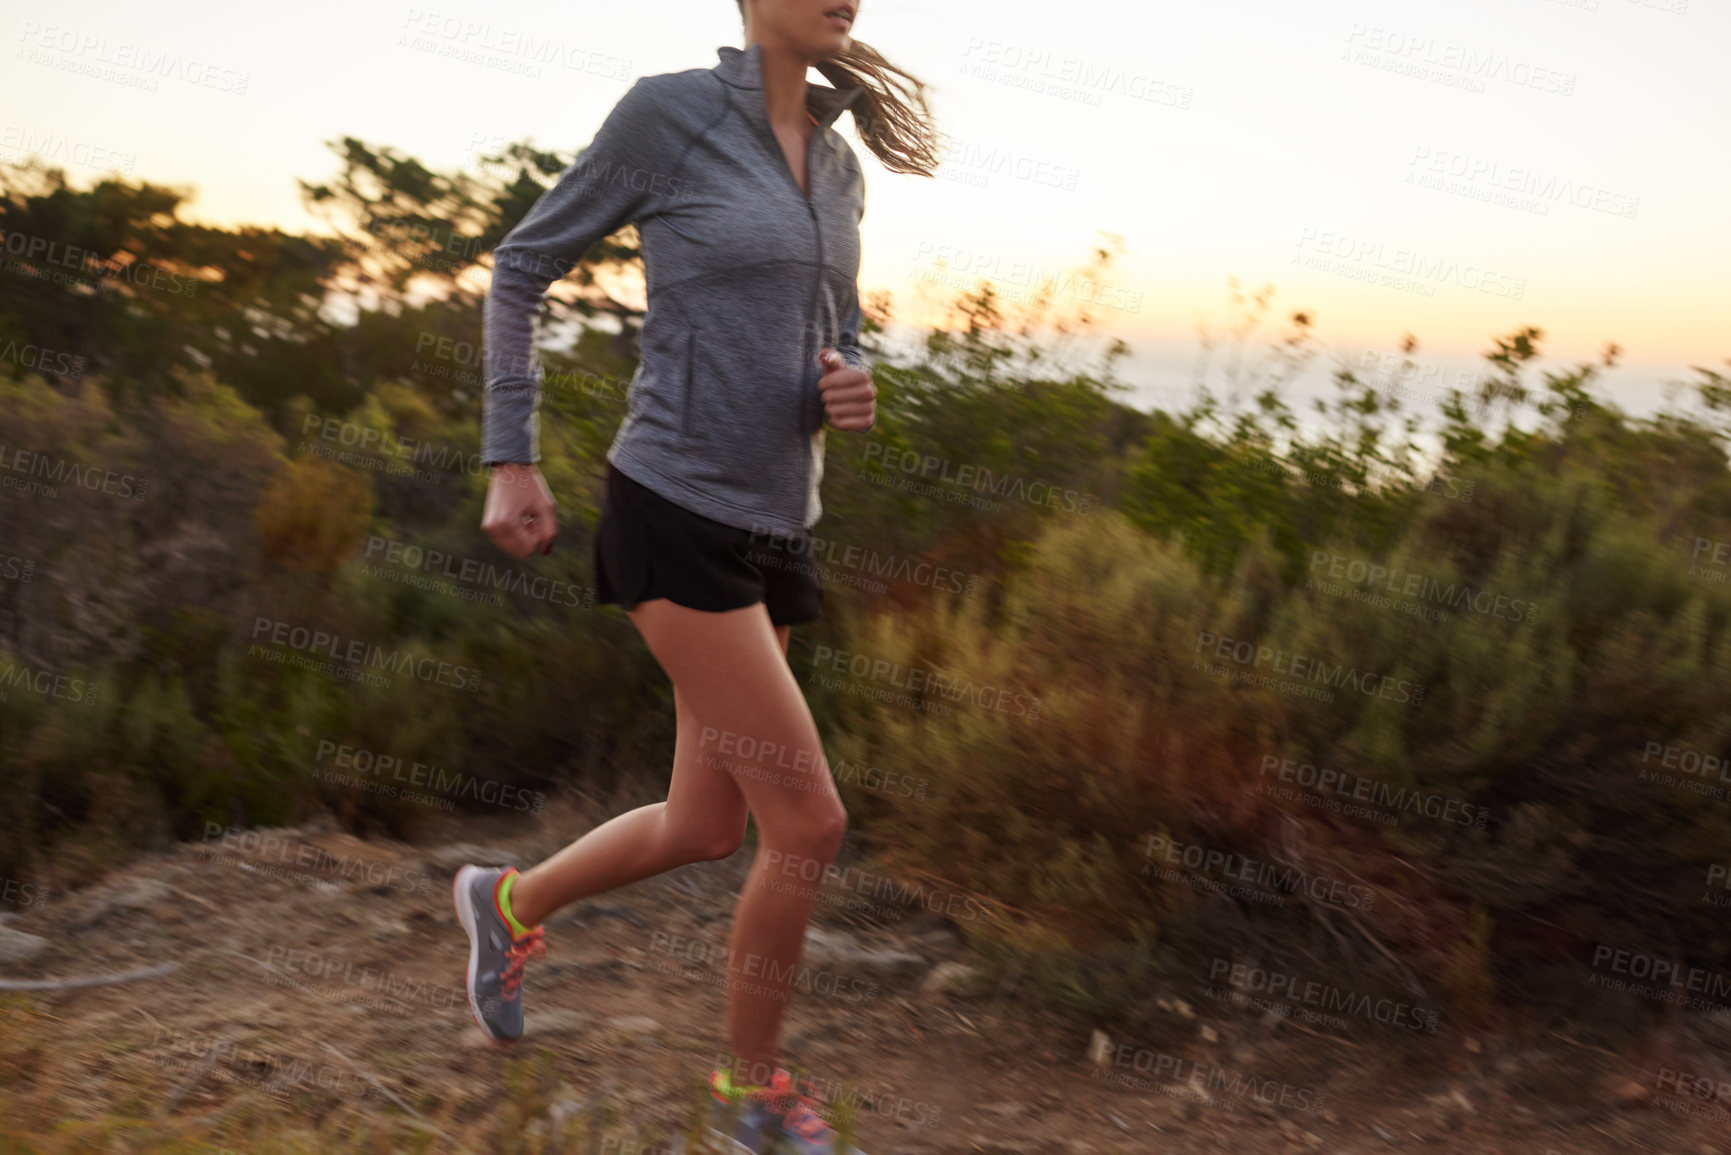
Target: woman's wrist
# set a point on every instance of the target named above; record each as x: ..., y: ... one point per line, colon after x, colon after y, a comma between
x: 511, y: 472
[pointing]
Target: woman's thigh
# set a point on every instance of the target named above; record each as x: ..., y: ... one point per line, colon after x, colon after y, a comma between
x: 745, y: 731
x: 702, y: 802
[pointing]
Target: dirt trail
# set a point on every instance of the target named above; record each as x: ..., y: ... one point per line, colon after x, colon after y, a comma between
x: 320, y: 982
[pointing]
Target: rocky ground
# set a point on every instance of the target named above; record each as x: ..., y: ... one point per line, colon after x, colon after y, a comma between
x: 315, y: 1002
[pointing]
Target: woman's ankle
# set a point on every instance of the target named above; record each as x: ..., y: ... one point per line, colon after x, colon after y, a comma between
x: 519, y: 901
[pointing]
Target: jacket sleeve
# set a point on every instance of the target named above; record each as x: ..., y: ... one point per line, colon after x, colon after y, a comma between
x: 612, y: 183
x: 847, y: 342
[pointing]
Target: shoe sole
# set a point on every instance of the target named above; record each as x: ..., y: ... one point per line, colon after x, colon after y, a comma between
x: 466, y: 916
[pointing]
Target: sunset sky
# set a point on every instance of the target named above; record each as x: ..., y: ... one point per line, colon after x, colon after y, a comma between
x: 1452, y: 170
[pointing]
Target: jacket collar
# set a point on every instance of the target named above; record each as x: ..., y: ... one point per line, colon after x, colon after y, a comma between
x: 743, y: 68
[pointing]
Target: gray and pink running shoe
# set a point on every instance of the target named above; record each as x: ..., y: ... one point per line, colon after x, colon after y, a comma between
x: 496, y: 957
x: 778, y: 1118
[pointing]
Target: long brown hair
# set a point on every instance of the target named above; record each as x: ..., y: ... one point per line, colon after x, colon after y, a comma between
x: 901, y: 135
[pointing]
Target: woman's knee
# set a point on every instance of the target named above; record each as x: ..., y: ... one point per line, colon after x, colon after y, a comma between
x: 721, y: 844
x: 709, y: 842
x: 814, y: 834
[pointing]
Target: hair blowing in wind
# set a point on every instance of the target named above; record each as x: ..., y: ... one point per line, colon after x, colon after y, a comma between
x: 893, y: 118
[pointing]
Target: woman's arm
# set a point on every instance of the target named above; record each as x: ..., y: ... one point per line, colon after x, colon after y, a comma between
x: 611, y: 184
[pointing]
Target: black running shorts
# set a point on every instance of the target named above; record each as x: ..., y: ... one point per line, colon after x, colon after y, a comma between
x: 649, y: 547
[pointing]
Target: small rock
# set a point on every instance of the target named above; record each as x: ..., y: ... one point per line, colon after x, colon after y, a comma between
x: 1182, y: 1009
x: 457, y: 855
x: 142, y: 893
x: 989, y: 1146
x: 259, y: 1013
x: 834, y: 948
x: 132, y: 894
x: 1209, y: 1034
x: 634, y: 1024
x: 950, y: 978
x: 1099, y: 1048
x: 1630, y: 1093
x: 554, y: 1022
x: 944, y: 938
x: 611, y: 969
x: 589, y: 912
x: 18, y: 947
x: 1007, y: 1110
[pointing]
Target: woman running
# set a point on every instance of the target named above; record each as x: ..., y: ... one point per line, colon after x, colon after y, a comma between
x: 748, y: 204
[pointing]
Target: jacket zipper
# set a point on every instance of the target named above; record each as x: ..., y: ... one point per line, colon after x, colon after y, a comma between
x: 807, y: 354
x: 690, y: 370
x: 817, y: 275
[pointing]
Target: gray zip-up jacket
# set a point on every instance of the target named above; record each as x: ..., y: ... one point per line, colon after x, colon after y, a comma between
x: 748, y: 278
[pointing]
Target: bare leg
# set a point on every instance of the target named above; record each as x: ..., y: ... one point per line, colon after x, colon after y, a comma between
x: 755, y: 731
x: 702, y: 820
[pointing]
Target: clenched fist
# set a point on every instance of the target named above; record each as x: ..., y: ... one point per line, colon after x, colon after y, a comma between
x: 849, y: 397
x: 520, y: 515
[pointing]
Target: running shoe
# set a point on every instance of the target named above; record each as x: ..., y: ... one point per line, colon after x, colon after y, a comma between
x: 777, y: 1118
x: 496, y: 957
